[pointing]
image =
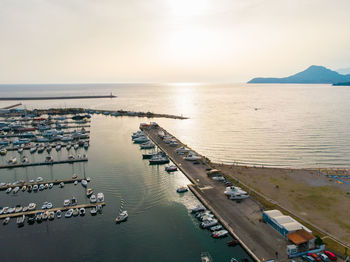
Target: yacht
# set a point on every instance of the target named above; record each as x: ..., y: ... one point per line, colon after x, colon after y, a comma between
x: 209, y: 223
x: 66, y: 202
x: 220, y: 233
x: 93, y: 199
x: 59, y: 213
x: 123, y: 216
x: 141, y: 140
x: 31, y: 206
x: 147, y: 145
x: 33, y: 149
x: 69, y: 213
x: 158, y: 160
x: 20, y: 221
x: 84, y: 183
x: 182, y: 189
x: 100, y: 197
x: 82, y: 211
x: 16, y: 189
x: 171, y: 168
x: 235, y: 193
x: 89, y: 192
x: 75, y: 212
x: 3, y: 151
x: 192, y: 157
x: 93, y: 211
x: 198, y: 208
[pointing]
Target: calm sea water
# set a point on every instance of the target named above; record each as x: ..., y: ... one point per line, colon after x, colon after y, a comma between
x: 160, y: 226
x: 273, y: 125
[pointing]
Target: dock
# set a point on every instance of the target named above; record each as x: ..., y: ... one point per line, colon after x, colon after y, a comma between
x: 242, y: 220
x: 55, y: 182
x: 26, y: 136
x: 46, y: 163
x: 33, y: 212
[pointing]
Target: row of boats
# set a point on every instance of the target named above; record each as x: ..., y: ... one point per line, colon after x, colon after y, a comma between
x: 208, y: 221
x: 40, y: 148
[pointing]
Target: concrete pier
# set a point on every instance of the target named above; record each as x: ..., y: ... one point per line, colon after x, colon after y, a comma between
x: 242, y: 219
x: 55, y: 182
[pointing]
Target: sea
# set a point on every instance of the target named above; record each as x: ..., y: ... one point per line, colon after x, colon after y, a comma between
x: 270, y: 125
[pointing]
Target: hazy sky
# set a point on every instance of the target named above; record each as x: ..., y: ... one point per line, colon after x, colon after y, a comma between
x: 69, y: 41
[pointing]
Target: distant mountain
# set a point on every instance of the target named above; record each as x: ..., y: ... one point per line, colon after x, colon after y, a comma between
x: 312, y: 75
x: 343, y: 71
x: 342, y: 84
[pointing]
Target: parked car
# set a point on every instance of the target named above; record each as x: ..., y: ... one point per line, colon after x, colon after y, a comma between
x: 330, y: 255
x: 315, y: 256
x: 308, y: 258
x: 324, y: 257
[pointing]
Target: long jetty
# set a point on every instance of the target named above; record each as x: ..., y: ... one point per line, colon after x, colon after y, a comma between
x: 55, y: 182
x: 242, y: 220
x: 33, y: 212
x: 46, y: 163
x: 55, y: 97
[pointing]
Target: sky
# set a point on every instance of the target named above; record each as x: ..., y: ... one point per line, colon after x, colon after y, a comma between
x: 109, y: 41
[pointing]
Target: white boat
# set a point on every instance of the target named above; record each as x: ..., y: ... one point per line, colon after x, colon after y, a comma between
x: 93, y: 199
x: 220, y: 233
x: 35, y: 188
x: 182, y: 189
x: 24, y: 188
x: 3, y: 151
x: 16, y: 189
x: 93, y: 211
x: 147, y: 145
x: 71, y: 157
x: 235, y: 193
x: 51, y: 185
x: 75, y: 182
x: 31, y: 206
x: 8, y: 190
x: 20, y: 220
x: 25, y: 209
x: 192, y: 157
x: 88, y: 179
x: 123, y: 216
x: 18, y: 209
x: 82, y: 211
x: 69, y: 213
x: 24, y: 159
x: 171, y: 168
x: 84, y: 183
x: 66, y: 202
x: 12, y: 161
x: 75, y: 212
x: 39, y: 179
x: 49, y: 205
x: 48, y: 149
x: 59, y: 213
x: 61, y: 184
x: 20, y: 150
x: 44, y: 206
x: 86, y: 145
x: 46, y: 186
x: 216, y: 228
x: 182, y: 150
x: 218, y: 178
x: 41, y: 187
x: 209, y: 223
x: 33, y: 149
x: 100, y: 197
x: 76, y: 146
x: 6, y: 221
x: 69, y: 146
x: 58, y: 147
x: 51, y: 216
x: 141, y: 140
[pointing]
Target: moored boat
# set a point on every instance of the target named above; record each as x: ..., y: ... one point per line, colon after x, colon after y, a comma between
x: 93, y: 199
x: 89, y: 192
x: 6, y: 221
x: 171, y: 168
x: 82, y: 211
x: 123, y: 216
x: 100, y: 197
x: 84, y: 183
x: 69, y: 213
x: 182, y: 189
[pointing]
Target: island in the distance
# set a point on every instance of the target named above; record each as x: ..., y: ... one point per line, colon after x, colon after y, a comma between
x: 312, y: 75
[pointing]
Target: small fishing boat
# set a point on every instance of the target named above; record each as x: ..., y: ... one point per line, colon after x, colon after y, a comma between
x: 41, y: 187
x: 6, y: 221
x: 82, y: 211
x: 25, y: 209
x: 31, y: 219
x: 39, y: 179
x: 44, y: 206
x: 59, y: 213
x: 76, y: 146
x: 209, y: 223
x: 46, y: 186
x: 182, y: 189
x: 84, y: 183
x: 198, y: 208
x: 233, y: 242
x: 51, y: 216
x: 38, y: 217
x: 35, y: 188
x: 75, y: 182
x: 123, y: 216
x: 93, y: 211
x: 171, y: 168
x: 24, y: 188
x: 234, y: 260
x: 69, y: 213
x: 41, y: 149
x: 20, y: 150
x: 33, y: 149
x: 16, y: 189
x: 88, y: 179
x: 93, y: 199
x: 216, y: 228
x: 18, y: 209
x: 89, y: 192
x: 69, y: 146
x: 220, y: 233
x: 8, y: 190
x: 74, y: 201
x: 31, y: 206
x: 3, y: 151
x: 61, y: 185
x: 20, y: 221
x: 49, y: 205
x: 66, y: 202
x: 49, y: 159
x: 30, y: 188
x: 86, y: 145
x: 100, y: 197
x: 50, y: 185
x: 58, y: 147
